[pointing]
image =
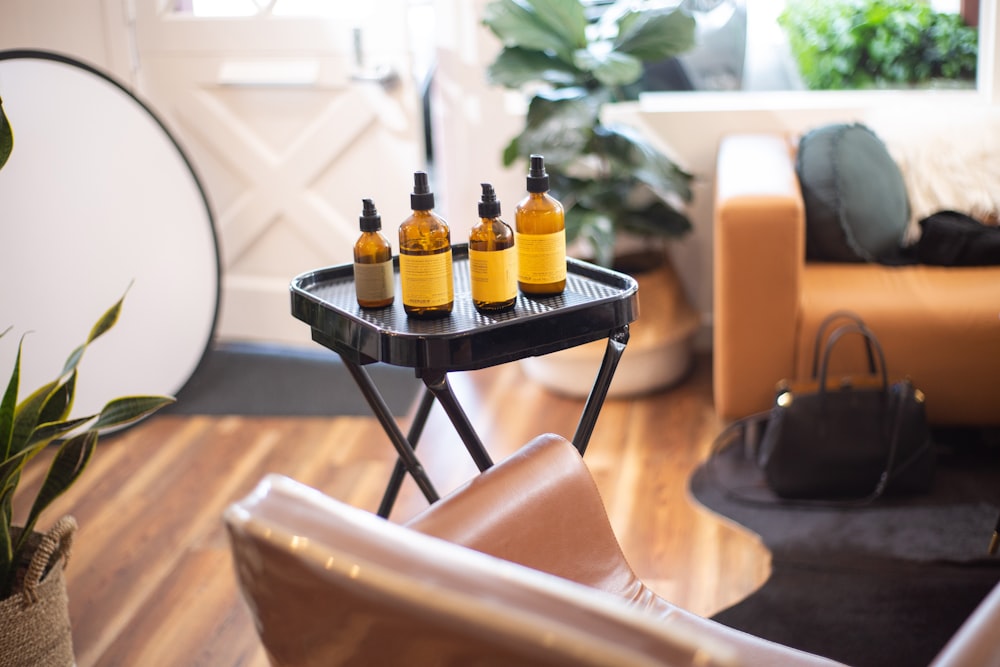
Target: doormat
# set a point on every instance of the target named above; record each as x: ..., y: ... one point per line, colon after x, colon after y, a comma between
x: 269, y: 380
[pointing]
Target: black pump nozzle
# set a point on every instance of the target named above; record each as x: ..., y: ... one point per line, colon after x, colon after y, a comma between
x: 538, y: 179
x: 370, y: 220
x: 422, y: 199
x: 489, y: 206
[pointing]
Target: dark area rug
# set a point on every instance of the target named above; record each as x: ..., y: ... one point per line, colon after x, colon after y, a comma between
x: 268, y: 380
x: 884, y: 584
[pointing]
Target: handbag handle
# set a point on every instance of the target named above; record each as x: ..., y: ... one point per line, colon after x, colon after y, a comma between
x: 830, y: 319
x: 874, y: 348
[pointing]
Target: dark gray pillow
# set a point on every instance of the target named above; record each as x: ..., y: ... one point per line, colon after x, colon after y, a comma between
x: 855, y: 198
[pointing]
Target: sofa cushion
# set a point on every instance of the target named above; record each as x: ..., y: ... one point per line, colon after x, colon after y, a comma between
x: 855, y: 198
x: 937, y: 325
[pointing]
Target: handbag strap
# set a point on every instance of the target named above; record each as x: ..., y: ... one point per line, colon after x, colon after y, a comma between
x: 821, y: 332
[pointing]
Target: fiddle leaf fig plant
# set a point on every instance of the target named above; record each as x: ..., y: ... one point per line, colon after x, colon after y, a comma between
x: 608, y: 177
x: 29, y: 425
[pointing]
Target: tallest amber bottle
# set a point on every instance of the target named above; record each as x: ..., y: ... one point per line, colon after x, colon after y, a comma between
x: 540, y: 226
x: 425, y: 272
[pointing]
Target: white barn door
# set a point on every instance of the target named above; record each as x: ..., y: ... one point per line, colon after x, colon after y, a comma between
x: 290, y: 121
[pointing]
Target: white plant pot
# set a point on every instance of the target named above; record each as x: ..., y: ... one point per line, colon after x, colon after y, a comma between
x: 657, y: 356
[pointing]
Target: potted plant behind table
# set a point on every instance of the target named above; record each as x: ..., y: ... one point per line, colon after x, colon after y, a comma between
x: 613, y: 182
x: 34, y: 613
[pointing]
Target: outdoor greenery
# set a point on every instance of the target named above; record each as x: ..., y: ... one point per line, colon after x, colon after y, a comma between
x: 42, y: 419
x: 846, y: 44
x: 608, y: 177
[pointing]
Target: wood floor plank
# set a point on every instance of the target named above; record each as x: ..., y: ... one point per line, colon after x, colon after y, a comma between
x: 151, y: 581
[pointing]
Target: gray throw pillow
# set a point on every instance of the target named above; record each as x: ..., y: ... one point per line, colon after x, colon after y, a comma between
x: 855, y: 198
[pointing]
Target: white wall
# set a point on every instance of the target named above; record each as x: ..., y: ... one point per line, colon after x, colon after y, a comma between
x: 94, y: 31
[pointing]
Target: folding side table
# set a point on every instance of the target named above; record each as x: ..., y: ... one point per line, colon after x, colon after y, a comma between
x: 597, y: 303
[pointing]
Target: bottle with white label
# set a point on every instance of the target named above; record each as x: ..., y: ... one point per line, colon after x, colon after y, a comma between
x: 373, y: 278
x: 425, y: 268
x: 492, y: 258
x: 540, y: 237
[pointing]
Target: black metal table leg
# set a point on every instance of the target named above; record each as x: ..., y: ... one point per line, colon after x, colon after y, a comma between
x: 437, y: 382
x: 612, y: 354
x: 413, y: 437
x: 399, y: 441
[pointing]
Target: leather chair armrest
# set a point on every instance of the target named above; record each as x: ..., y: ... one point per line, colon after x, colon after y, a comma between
x: 759, y: 255
x: 975, y: 644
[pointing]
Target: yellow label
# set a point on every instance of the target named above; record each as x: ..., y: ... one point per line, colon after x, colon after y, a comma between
x: 541, y: 258
x: 426, y: 279
x: 374, y: 282
x: 493, y: 275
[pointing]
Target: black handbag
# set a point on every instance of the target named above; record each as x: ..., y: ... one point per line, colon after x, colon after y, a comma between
x: 857, y: 438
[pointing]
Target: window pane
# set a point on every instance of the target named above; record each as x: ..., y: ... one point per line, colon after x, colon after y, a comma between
x: 760, y: 45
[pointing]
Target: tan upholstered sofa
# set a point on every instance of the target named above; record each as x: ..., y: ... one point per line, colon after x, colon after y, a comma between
x: 938, y: 325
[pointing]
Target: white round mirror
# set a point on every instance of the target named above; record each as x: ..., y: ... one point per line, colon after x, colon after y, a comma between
x: 97, y: 195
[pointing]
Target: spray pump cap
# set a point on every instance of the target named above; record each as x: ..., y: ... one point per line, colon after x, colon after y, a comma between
x: 421, y: 199
x: 538, y: 179
x: 370, y: 220
x: 489, y: 206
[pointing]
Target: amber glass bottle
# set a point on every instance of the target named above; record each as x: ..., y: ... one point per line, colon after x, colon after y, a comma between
x: 540, y: 225
x: 373, y: 279
x: 425, y: 271
x: 492, y: 258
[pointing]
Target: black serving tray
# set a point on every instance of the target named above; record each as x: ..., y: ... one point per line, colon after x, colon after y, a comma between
x: 595, y: 303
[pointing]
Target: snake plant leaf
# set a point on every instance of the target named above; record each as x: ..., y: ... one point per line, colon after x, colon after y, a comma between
x: 128, y: 409
x: 8, y: 405
x: 516, y: 66
x: 6, y: 555
x: 67, y: 465
x: 46, y: 433
x: 6, y: 137
x: 655, y: 35
x: 59, y: 402
x: 557, y: 26
x: 611, y: 68
x: 106, y: 321
x: 26, y: 416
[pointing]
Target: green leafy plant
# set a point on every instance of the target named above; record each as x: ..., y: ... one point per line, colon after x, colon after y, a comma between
x: 848, y: 44
x: 42, y: 419
x: 608, y: 176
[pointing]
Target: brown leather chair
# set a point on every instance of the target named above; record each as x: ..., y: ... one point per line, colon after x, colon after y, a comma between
x: 519, y: 566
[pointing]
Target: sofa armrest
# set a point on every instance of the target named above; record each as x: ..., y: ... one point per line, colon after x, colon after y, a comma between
x: 759, y: 255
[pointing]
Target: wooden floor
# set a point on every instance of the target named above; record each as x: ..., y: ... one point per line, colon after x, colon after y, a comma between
x: 151, y: 582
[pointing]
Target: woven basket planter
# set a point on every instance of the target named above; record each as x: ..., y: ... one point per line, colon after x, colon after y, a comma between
x: 34, y: 621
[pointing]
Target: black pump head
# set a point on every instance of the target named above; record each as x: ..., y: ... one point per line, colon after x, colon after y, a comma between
x: 422, y: 199
x: 538, y: 178
x: 489, y: 205
x: 370, y: 220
